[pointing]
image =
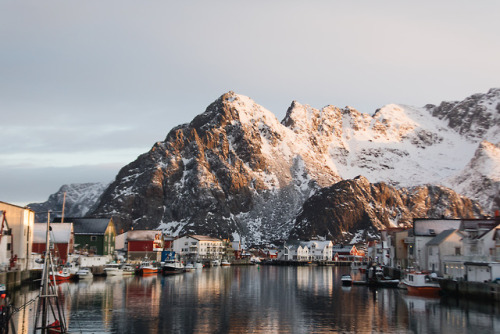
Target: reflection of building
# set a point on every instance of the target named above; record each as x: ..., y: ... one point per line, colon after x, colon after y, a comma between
x: 199, y: 247
x: 144, y: 244
x: 61, y: 240
x: 20, y: 221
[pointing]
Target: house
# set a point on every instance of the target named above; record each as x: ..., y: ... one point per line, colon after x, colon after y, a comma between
x: 448, y: 242
x: 5, y: 243
x: 476, y: 258
x: 423, y: 231
x: 346, y: 253
x: 61, y: 240
x: 199, y: 247
x: 93, y: 236
x: 21, y: 221
x: 143, y: 244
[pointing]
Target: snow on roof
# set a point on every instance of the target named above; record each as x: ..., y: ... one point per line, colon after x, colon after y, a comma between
x: 88, y: 225
x: 203, y: 238
x: 433, y: 227
x: 61, y: 233
x: 142, y: 235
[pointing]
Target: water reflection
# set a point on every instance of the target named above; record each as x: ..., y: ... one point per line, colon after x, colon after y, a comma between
x: 255, y: 299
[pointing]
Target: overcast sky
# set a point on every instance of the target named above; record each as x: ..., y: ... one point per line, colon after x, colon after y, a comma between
x: 87, y: 86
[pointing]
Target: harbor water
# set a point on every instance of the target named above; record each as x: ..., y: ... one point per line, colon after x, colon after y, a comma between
x: 255, y: 299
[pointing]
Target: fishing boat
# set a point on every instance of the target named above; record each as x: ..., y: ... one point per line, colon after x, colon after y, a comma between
x: 84, y: 273
x: 172, y: 267
x: 113, y: 269
x: 422, y: 284
x: 61, y: 275
x: 346, y: 280
x: 147, y: 268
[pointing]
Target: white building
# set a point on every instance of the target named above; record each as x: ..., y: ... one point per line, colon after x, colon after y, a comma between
x: 444, y: 244
x: 424, y: 230
x: 21, y: 221
x: 5, y: 243
x: 199, y: 247
x: 313, y: 250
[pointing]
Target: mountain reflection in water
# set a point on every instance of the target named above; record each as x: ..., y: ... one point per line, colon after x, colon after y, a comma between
x: 256, y: 299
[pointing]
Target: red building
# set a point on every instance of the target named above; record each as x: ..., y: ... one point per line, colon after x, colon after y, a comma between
x: 61, y: 237
x: 143, y: 244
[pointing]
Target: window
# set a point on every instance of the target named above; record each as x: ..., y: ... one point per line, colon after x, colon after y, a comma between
x: 457, y: 251
x: 93, y: 238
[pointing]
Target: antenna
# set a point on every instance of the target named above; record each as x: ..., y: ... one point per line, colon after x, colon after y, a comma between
x: 64, y: 203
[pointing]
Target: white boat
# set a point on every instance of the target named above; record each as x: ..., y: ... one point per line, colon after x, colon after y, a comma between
x: 128, y: 269
x: 198, y: 265
x: 113, y: 269
x: 225, y: 263
x: 346, y: 280
x: 189, y: 267
x: 84, y: 273
x: 421, y: 284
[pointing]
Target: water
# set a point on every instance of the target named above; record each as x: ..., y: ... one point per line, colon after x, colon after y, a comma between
x: 257, y: 299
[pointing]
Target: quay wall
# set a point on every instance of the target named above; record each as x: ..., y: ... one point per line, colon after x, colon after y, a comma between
x: 473, y: 290
x: 14, y: 279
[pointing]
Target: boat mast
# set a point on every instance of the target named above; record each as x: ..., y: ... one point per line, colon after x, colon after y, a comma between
x: 48, y: 299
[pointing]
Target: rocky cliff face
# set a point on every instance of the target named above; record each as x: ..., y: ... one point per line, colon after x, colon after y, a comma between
x: 236, y: 171
x: 356, y: 209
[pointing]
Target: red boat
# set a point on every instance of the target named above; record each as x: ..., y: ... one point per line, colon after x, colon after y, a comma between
x: 421, y: 284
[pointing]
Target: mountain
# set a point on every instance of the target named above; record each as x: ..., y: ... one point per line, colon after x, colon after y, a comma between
x: 80, y: 197
x: 354, y: 210
x: 236, y: 171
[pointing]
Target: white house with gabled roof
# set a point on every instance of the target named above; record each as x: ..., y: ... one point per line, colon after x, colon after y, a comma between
x: 199, y: 247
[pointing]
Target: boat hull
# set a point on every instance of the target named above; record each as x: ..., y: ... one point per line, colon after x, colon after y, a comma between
x: 423, y: 291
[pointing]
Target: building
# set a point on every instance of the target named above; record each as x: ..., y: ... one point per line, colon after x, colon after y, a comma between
x: 446, y: 243
x: 61, y: 240
x: 144, y: 244
x: 93, y: 236
x: 5, y: 243
x: 199, y: 247
x: 424, y: 230
x: 346, y: 253
x: 20, y: 221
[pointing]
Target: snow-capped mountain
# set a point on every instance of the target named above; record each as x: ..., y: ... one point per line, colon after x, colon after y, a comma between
x: 236, y: 170
x: 80, y: 197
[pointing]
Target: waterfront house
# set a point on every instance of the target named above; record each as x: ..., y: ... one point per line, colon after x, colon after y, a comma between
x: 5, y: 243
x: 61, y: 240
x: 423, y: 231
x: 346, y: 253
x: 446, y: 243
x: 144, y: 244
x: 199, y: 247
x: 21, y: 221
x: 93, y: 236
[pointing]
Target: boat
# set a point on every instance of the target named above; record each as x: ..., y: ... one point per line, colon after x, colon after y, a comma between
x: 225, y: 263
x: 375, y: 278
x: 198, y: 265
x: 113, y: 269
x: 215, y: 263
x: 346, y: 280
x: 147, y: 268
x: 422, y: 284
x: 62, y: 275
x: 128, y: 269
x: 189, y: 267
x: 84, y: 273
x: 172, y: 267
